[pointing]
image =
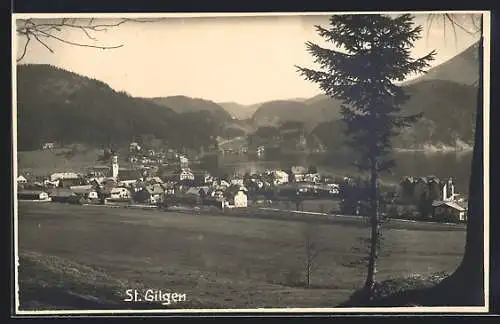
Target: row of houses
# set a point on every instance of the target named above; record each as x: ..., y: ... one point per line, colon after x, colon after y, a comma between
x: 223, y: 195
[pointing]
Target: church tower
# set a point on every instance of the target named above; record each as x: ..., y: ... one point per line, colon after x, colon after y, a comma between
x: 114, y: 167
x: 449, y: 190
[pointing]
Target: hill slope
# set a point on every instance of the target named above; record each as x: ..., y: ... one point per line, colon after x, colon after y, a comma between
x: 446, y: 95
x: 239, y: 111
x: 277, y: 112
x: 183, y: 104
x: 57, y: 105
x: 448, y: 113
x: 448, y: 117
x: 462, y: 69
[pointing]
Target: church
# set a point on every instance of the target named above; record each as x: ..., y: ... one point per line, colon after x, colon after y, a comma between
x: 125, y: 176
x: 450, y: 207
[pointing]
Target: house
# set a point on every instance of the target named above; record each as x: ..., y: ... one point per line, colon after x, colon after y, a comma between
x: 237, y: 181
x: 333, y: 188
x: 99, y: 171
x: 63, y: 195
x: 169, y: 189
x: 203, y: 178
x: 87, y: 192
x: 237, y: 196
x: 312, y: 177
x: 157, y: 192
x: 66, y: 183
x: 155, y: 180
x: 64, y: 175
x: 48, y: 146
x: 127, y: 183
x: 120, y: 194
x: 152, y: 194
x: 134, y: 147
x: 221, y: 184
x: 280, y: 177
x: 449, y: 211
x: 21, y: 180
x: 298, y: 173
x: 216, y: 194
x: 186, y: 174
x: 33, y: 195
x: 129, y: 176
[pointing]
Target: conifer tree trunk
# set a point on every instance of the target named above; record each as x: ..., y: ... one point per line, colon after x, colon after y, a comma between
x: 375, y: 228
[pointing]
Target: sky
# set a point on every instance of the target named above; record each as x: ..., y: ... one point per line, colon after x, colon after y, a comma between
x: 240, y: 59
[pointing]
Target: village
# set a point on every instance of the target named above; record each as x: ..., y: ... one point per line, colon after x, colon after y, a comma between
x: 167, y: 180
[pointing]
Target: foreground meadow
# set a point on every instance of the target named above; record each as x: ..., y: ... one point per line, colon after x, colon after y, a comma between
x: 83, y: 257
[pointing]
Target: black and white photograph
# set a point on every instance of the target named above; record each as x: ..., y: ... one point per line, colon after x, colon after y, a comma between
x: 237, y: 162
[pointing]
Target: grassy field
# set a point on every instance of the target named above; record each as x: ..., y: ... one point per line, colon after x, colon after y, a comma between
x: 43, y: 162
x: 84, y: 257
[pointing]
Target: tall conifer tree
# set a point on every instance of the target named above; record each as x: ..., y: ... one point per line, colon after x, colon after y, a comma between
x: 372, y: 54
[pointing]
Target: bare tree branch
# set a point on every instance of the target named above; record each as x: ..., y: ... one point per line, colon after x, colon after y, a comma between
x: 454, y: 20
x: 448, y: 16
x: 25, y: 49
x: 79, y: 44
x: 45, y: 45
x: 430, y: 20
x: 31, y: 29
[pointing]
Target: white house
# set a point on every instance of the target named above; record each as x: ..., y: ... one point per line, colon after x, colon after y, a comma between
x: 134, y: 147
x: 312, y: 177
x: 237, y: 181
x: 63, y: 175
x: 280, y: 177
x: 186, y: 174
x: 48, y: 146
x: 240, y: 199
x: 298, y: 169
x: 86, y: 191
x: 120, y: 193
x: 237, y: 196
x: 221, y: 184
x: 449, y: 209
x: 333, y: 188
x: 21, y: 180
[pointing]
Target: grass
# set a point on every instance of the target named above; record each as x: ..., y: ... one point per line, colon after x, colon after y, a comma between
x: 85, y: 257
x: 311, y: 205
x: 43, y: 162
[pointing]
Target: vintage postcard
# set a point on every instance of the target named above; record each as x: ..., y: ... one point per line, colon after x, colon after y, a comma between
x: 273, y: 162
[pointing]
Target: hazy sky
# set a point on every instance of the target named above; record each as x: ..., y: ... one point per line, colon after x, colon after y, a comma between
x: 241, y: 59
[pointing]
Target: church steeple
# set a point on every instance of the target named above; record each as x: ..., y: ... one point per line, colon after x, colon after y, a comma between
x: 114, y: 167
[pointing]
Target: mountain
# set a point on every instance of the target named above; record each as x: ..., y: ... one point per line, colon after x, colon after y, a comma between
x: 239, y: 111
x: 446, y: 96
x: 312, y: 112
x: 448, y: 117
x: 243, y: 112
x: 183, y: 104
x: 58, y: 105
x: 462, y: 68
x: 448, y: 113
